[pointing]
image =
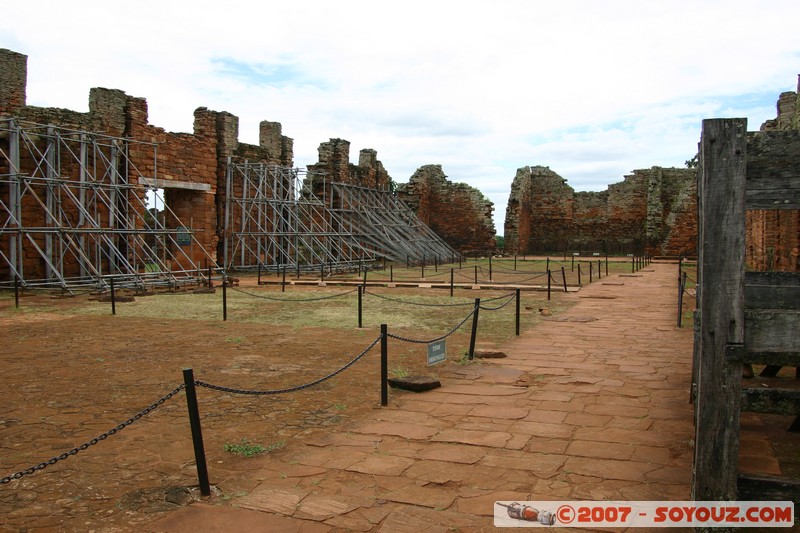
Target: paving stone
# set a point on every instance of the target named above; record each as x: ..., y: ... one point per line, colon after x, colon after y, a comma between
x: 319, y: 508
x: 274, y: 501
x: 221, y: 519
x: 482, y: 390
x: 494, y: 439
x: 484, y: 505
x: 547, y: 445
x: 454, y: 453
x: 539, y: 464
x: 600, y: 450
x: 509, y: 413
x: 424, y: 496
x: 381, y: 465
x: 407, y: 431
x: 608, y: 468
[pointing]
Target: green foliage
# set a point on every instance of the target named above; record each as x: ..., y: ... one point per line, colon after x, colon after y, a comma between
x: 500, y: 240
x: 249, y: 449
x: 693, y: 162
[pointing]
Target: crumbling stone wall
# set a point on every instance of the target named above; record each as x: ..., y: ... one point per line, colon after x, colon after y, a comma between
x: 545, y: 214
x: 773, y: 237
x: 458, y: 213
x: 334, y: 164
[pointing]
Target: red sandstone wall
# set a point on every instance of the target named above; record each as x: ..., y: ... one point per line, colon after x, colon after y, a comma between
x: 458, y: 213
x: 773, y: 237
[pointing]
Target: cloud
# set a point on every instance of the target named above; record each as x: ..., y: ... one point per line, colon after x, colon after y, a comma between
x: 591, y: 89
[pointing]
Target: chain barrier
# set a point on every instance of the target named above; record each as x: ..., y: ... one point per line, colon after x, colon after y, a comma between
x: 317, y: 299
x: 104, y: 436
x: 289, y: 389
x: 416, y: 341
x: 510, y: 297
x: 422, y: 304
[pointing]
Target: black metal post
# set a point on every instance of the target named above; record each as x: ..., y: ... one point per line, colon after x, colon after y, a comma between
x: 224, y: 296
x: 579, y: 275
x: 547, y: 267
x: 515, y: 262
x: 599, y: 265
x: 365, y: 279
x: 436, y: 263
x: 391, y: 273
x: 16, y: 291
x: 360, y: 298
x: 548, y: 284
x: 474, y: 329
x: 210, y: 281
x: 490, y: 267
x: 197, y: 433
x: 283, y: 281
x: 408, y: 262
x: 573, y: 264
x: 423, y: 268
x: 633, y: 264
x: 259, y: 273
x: 113, y: 299
x: 680, y: 297
x: 384, y: 365
x: 451, y: 283
x: 476, y: 274
x: 591, y: 268
x: 322, y: 271
x: 564, y: 278
x: 516, y: 329
x: 606, y: 265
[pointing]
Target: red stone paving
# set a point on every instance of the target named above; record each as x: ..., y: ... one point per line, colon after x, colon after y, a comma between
x: 600, y: 410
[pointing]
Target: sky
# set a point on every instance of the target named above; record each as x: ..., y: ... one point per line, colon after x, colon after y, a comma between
x: 591, y: 89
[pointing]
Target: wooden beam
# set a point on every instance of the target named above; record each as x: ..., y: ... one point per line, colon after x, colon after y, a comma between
x: 773, y: 170
x: 723, y: 155
x: 771, y: 401
x: 772, y: 290
x: 769, y: 488
x: 772, y: 330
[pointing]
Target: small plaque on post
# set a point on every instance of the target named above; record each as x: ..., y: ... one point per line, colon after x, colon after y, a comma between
x: 437, y: 352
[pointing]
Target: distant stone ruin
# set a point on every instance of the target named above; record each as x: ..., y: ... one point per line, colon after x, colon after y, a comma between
x: 651, y: 209
x: 773, y: 237
x: 457, y: 212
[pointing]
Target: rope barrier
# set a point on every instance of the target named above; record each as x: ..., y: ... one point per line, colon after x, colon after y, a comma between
x: 289, y: 389
x: 416, y: 341
x: 294, y: 299
x: 104, y: 436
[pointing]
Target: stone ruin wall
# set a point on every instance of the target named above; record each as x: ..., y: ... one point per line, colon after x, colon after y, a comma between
x: 773, y: 237
x: 642, y: 212
x: 457, y: 212
x: 334, y: 165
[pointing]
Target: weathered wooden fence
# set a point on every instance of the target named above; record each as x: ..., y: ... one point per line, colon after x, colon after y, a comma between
x: 741, y: 317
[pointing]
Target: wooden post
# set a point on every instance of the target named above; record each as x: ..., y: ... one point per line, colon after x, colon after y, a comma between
x: 721, y: 259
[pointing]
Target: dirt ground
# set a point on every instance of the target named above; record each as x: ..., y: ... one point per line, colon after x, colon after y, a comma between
x: 71, y: 376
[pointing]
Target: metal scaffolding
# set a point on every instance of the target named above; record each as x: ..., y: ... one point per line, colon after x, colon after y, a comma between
x: 285, y: 218
x: 74, y: 213
x: 273, y: 221
x: 387, y: 226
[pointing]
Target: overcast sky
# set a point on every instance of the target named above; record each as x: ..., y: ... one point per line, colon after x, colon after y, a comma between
x: 592, y: 89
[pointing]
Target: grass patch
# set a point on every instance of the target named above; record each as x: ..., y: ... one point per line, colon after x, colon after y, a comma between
x: 249, y: 449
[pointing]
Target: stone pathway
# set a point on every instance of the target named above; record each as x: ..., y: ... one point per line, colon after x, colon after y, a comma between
x: 592, y: 405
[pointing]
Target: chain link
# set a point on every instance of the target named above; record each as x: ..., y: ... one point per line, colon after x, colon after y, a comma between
x: 290, y: 389
x: 511, y: 298
x: 104, y: 436
x: 416, y: 341
x: 294, y: 299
